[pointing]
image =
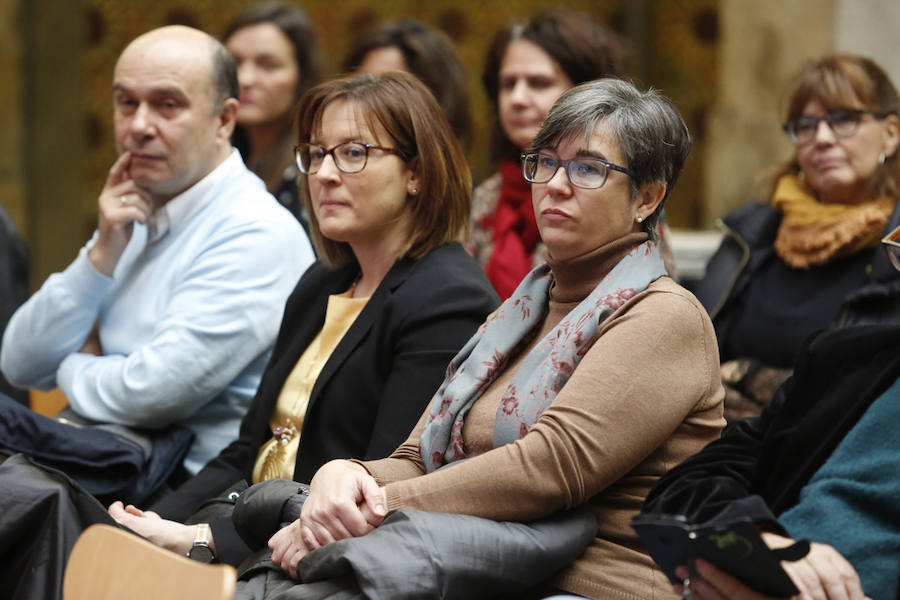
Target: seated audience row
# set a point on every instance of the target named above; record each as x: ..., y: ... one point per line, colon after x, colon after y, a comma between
x: 367, y: 334
x: 559, y: 401
x: 159, y: 323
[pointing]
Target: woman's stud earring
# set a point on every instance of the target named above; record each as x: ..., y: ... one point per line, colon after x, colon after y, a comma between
x: 415, y: 191
x: 640, y: 219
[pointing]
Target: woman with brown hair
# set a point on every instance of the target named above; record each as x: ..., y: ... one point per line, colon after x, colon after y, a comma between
x: 808, y: 258
x: 368, y: 332
x: 274, y: 47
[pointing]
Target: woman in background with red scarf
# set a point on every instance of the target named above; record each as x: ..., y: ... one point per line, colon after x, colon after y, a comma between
x: 529, y: 65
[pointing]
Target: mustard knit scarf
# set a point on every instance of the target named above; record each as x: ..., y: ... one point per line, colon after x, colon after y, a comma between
x: 812, y: 233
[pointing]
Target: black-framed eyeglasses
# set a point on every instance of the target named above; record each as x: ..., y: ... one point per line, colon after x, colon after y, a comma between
x: 586, y: 172
x: 892, y: 245
x: 349, y: 157
x: 844, y: 122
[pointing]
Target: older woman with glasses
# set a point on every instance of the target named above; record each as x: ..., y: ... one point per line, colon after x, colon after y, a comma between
x: 596, y: 375
x: 368, y: 331
x: 808, y: 258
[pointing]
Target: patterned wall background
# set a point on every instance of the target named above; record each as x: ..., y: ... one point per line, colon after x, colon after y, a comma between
x: 676, y: 50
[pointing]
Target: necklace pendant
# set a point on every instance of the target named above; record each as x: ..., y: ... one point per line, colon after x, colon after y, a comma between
x: 284, y: 433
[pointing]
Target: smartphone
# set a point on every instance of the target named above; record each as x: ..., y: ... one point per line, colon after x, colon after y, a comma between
x: 733, y: 546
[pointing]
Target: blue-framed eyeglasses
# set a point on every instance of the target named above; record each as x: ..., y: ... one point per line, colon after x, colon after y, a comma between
x: 586, y: 172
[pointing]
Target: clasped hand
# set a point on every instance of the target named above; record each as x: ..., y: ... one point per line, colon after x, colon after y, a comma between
x: 344, y: 501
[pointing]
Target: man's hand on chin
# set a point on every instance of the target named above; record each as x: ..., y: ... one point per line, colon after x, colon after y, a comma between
x: 121, y: 203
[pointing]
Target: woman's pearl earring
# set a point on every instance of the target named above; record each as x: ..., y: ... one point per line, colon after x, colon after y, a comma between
x: 639, y: 219
x: 414, y: 191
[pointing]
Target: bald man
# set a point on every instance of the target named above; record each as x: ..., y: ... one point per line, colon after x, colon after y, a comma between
x: 169, y: 312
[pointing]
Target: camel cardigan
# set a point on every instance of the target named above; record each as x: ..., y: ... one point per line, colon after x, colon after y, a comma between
x: 646, y: 396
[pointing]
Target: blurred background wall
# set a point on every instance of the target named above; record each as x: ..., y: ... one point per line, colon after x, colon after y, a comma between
x: 724, y: 63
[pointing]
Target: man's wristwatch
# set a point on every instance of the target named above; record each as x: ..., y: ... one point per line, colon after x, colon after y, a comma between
x: 201, y: 551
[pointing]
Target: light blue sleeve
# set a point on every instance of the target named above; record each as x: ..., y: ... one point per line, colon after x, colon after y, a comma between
x: 53, y: 323
x: 224, y: 314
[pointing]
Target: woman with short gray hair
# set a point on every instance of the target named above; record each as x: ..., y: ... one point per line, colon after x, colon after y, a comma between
x: 580, y: 390
x: 651, y: 134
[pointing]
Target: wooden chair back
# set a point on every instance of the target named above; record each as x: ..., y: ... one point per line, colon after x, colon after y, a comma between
x: 108, y: 563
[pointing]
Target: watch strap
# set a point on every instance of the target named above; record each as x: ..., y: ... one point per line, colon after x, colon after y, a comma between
x: 201, y: 549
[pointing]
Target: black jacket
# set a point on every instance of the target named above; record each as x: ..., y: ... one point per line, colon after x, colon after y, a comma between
x: 749, y: 247
x: 13, y: 287
x: 759, y: 466
x: 373, y: 388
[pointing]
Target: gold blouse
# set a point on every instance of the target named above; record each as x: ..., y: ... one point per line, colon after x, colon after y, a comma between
x: 277, y: 457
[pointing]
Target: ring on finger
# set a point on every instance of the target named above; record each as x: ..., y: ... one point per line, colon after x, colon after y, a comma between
x: 123, y: 200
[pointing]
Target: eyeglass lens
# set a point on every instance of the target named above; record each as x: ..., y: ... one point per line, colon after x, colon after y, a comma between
x: 843, y: 123
x: 582, y: 172
x: 349, y: 157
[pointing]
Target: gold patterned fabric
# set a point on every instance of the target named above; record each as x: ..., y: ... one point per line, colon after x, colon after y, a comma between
x: 277, y: 457
x: 812, y: 233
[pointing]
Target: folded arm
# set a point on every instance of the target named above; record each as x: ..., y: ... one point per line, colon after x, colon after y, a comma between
x: 53, y: 323
x: 221, y: 315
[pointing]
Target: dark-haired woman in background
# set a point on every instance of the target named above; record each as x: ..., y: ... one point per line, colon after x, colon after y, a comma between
x: 529, y: 65
x: 426, y: 53
x: 274, y: 46
x: 808, y: 258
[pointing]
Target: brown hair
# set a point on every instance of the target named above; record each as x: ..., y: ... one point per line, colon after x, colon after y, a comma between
x: 402, y: 105
x: 847, y: 81
x: 293, y: 22
x: 584, y: 50
x: 429, y: 54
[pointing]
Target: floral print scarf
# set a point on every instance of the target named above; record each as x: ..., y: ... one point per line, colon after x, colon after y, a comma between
x: 546, y: 369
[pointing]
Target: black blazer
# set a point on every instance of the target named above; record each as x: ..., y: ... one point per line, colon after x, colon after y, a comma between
x: 376, y: 384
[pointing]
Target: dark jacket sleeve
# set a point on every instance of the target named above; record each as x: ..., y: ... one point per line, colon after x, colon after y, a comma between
x: 13, y: 287
x: 759, y: 466
x: 443, y: 309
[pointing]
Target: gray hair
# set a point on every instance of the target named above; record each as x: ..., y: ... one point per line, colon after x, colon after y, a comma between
x: 224, y: 76
x: 651, y: 133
